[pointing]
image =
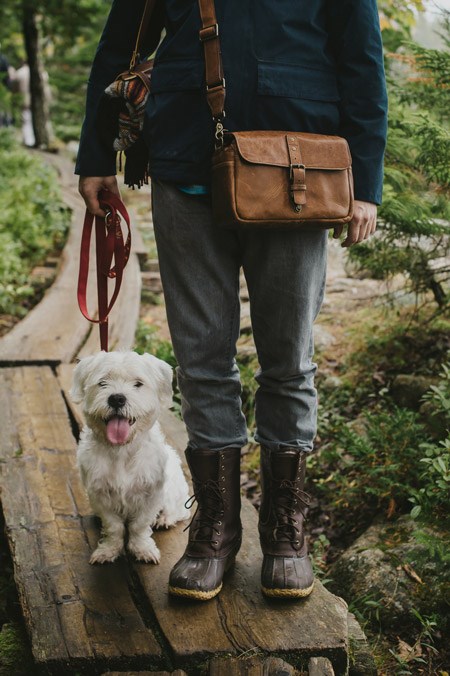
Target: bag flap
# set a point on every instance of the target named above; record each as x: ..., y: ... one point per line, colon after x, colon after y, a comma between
x: 318, y: 151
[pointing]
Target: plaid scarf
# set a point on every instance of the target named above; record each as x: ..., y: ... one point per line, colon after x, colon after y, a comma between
x: 120, y: 121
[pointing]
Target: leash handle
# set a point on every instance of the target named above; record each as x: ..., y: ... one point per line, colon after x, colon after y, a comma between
x: 110, y: 246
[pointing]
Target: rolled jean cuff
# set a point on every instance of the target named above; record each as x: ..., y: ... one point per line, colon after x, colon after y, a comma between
x: 284, y: 445
x: 216, y: 446
x: 213, y: 447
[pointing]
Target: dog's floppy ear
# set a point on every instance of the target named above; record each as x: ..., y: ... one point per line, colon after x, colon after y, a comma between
x: 79, y: 379
x: 162, y: 372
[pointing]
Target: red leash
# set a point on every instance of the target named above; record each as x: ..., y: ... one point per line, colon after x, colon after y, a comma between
x: 110, y: 246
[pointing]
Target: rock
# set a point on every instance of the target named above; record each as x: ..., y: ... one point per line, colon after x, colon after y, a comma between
x: 359, y: 426
x: 331, y: 383
x: 323, y: 338
x: 361, y: 660
x: 407, y: 390
x: 391, y: 570
x: 320, y: 666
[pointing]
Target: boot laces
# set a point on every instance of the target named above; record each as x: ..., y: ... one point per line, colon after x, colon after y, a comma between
x: 288, y: 500
x: 210, y: 502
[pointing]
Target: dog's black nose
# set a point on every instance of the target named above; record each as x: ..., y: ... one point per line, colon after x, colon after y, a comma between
x: 117, y: 400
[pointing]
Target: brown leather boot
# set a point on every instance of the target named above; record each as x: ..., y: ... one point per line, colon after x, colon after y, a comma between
x: 215, y: 531
x: 286, y: 570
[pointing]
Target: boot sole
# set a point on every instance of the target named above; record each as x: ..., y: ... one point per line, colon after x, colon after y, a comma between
x: 197, y: 594
x: 287, y: 593
x: 194, y: 593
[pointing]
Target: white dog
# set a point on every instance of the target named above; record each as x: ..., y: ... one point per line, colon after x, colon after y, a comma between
x: 132, y: 477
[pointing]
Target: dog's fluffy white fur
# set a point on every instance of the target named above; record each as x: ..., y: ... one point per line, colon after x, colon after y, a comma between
x: 132, y: 476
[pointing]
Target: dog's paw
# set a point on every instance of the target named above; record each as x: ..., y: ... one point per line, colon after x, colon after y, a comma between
x: 147, y: 552
x: 105, y: 554
x: 166, y: 520
x: 163, y: 521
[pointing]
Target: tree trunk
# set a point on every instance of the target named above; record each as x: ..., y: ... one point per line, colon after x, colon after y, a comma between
x: 39, y: 107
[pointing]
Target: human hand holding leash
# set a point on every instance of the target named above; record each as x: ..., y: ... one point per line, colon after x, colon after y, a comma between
x: 362, y: 225
x: 89, y: 188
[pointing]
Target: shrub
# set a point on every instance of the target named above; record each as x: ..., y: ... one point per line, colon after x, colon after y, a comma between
x: 34, y: 220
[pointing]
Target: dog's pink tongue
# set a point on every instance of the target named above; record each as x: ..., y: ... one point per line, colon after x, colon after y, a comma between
x: 118, y: 430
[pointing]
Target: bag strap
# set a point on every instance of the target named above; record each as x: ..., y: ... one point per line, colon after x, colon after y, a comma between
x: 215, y: 80
x: 109, y: 244
x: 146, y: 15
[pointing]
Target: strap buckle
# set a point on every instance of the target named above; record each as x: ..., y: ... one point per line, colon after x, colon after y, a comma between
x: 209, y: 32
x: 216, y: 85
x: 295, y: 166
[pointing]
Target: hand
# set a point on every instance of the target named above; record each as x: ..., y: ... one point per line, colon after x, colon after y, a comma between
x: 362, y: 225
x: 90, y: 186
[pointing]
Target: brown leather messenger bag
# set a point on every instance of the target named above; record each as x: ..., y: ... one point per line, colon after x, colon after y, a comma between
x: 271, y: 179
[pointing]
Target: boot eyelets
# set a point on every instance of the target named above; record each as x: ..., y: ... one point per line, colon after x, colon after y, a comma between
x: 219, y: 523
x: 215, y: 542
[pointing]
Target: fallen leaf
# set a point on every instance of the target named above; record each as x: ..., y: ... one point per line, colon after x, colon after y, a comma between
x: 391, y: 508
x: 411, y: 573
x: 407, y: 652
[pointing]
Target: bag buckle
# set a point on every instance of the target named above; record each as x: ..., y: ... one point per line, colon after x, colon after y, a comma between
x: 216, y: 85
x: 295, y: 166
x: 209, y: 32
x: 218, y: 134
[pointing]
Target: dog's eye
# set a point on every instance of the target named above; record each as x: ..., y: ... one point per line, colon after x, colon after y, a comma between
x: 102, y: 383
x: 138, y: 383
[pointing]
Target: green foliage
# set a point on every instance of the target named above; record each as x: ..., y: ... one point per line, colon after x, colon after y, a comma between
x: 432, y: 500
x: 146, y: 340
x: 372, y: 464
x: 248, y: 367
x: 69, y: 34
x: 68, y: 69
x: 413, y: 656
x: 397, y: 18
x: 34, y: 220
x: 413, y: 237
x: 319, y: 551
x: 14, y: 652
x: 439, y: 394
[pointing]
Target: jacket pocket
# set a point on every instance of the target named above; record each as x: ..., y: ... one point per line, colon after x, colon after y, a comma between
x: 297, y: 82
x: 177, y: 75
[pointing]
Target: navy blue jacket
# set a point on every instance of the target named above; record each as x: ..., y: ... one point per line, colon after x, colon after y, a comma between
x: 294, y: 65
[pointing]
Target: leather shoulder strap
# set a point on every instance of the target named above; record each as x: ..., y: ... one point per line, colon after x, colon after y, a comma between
x: 209, y: 37
x: 143, y: 26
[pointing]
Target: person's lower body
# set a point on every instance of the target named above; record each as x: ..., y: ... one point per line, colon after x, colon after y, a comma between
x: 285, y: 273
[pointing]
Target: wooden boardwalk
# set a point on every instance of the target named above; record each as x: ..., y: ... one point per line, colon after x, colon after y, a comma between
x: 118, y: 618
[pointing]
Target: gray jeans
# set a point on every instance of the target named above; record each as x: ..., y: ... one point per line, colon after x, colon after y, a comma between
x: 285, y: 273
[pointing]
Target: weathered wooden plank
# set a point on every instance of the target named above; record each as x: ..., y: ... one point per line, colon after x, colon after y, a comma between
x: 253, y: 666
x: 240, y: 618
x: 64, y: 373
x: 53, y: 330
x: 177, y: 672
x: 124, y: 315
x: 74, y: 612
